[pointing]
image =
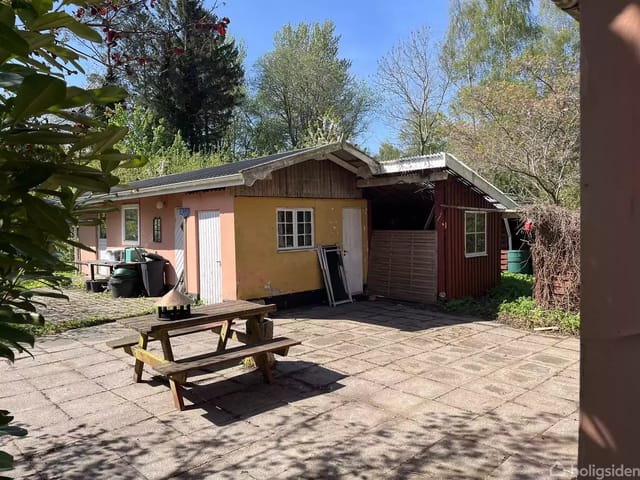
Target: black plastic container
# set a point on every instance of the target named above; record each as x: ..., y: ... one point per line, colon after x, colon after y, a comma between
x: 153, y: 277
x: 125, y: 283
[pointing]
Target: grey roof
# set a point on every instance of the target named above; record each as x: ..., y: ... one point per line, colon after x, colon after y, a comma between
x: 447, y: 161
x: 208, y: 172
x: 247, y: 172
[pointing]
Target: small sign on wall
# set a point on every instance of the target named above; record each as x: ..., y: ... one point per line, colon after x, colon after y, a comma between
x: 184, y: 212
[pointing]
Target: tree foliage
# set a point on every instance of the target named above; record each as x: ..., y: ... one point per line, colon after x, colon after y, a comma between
x: 176, y: 60
x: 527, y: 133
x: 51, y: 153
x: 485, y: 35
x: 515, y: 114
x: 302, y: 81
x: 148, y: 137
x: 415, y: 87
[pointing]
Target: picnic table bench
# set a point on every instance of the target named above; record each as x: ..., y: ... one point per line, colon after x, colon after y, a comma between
x: 217, y: 318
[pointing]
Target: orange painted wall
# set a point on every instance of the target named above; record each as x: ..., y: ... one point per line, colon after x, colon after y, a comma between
x: 220, y: 200
x: 263, y: 271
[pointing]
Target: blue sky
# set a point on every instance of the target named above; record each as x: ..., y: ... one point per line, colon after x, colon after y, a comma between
x: 368, y: 28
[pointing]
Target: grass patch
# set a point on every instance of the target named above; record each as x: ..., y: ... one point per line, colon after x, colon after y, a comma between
x: 54, y: 328
x: 71, y: 279
x: 512, y: 302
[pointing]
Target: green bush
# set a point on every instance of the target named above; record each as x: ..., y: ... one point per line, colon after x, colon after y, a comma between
x: 512, y: 301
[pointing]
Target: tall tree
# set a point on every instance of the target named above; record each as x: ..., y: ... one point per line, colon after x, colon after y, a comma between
x: 516, y: 111
x: 302, y: 80
x: 415, y: 88
x: 484, y: 35
x: 175, y: 59
x: 526, y: 135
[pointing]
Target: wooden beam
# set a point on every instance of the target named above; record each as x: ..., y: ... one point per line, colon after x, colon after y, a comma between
x: 473, y: 209
x: 402, y: 179
x: 342, y: 163
x: 147, y: 357
x: 251, y: 175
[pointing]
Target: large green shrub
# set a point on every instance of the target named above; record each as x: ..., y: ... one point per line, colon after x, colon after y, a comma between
x: 51, y: 152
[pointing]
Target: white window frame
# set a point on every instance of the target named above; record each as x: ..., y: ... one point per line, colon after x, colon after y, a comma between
x: 295, y: 229
x: 475, y: 233
x: 135, y: 207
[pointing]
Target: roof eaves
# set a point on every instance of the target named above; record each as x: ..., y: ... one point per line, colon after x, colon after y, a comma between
x: 182, y: 187
x: 446, y: 160
x: 262, y: 171
x: 411, y: 164
x: 480, y: 182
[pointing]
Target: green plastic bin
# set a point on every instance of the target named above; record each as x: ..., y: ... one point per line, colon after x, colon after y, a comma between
x: 519, y: 261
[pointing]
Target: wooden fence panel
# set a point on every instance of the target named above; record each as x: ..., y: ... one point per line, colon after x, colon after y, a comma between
x: 402, y: 265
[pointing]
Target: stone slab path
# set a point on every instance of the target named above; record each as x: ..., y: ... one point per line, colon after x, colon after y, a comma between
x: 375, y: 391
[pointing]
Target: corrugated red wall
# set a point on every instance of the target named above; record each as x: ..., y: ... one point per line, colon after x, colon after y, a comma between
x: 459, y: 276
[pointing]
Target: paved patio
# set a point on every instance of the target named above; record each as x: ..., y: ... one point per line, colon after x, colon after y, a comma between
x: 376, y: 390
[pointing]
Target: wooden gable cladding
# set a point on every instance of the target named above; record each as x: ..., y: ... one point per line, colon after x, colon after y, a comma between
x: 310, y: 179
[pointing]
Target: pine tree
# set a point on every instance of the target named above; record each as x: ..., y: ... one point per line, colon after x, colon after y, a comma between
x: 186, y: 72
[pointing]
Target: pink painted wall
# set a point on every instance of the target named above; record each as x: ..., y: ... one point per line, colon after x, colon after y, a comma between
x: 212, y: 200
x: 148, y: 210
x: 89, y: 237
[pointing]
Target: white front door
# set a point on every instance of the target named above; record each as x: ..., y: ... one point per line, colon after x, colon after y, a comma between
x: 102, y: 244
x: 178, y: 244
x: 210, y: 256
x: 352, y: 248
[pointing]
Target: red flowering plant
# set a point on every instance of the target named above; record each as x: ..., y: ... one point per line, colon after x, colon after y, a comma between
x: 120, y: 21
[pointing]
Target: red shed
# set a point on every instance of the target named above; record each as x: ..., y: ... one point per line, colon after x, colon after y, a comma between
x: 435, y: 229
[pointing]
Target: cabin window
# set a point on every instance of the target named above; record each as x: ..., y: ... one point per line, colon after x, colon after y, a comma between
x: 157, y: 229
x: 295, y: 228
x: 475, y: 234
x: 130, y: 225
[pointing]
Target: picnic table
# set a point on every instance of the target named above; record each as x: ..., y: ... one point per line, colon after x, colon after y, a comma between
x: 217, y: 318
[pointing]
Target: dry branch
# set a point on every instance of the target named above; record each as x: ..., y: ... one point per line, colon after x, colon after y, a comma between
x: 554, y: 237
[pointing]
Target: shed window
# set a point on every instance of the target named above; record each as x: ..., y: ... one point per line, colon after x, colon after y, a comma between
x: 157, y: 229
x: 130, y: 225
x: 295, y: 228
x: 475, y: 234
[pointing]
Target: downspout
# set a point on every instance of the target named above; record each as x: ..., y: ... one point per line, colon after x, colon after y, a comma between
x: 509, y: 238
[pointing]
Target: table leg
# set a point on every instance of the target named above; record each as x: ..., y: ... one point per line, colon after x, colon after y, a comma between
x: 225, y: 331
x: 143, y: 340
x: 92, y: 271
x: 263, y: 362
x: 176, y: 388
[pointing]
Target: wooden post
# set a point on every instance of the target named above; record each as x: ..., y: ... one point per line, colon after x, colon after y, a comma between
x: 610, y: 311
x: 143, y: 341
x: 174, y: 384
x: 263, y: 361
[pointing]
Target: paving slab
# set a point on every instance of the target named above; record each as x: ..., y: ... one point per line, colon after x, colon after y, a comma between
x: 377, y: 390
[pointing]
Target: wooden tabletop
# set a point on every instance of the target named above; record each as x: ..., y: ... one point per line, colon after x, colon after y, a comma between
x: 199, y: 315
x: 109, y: 263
